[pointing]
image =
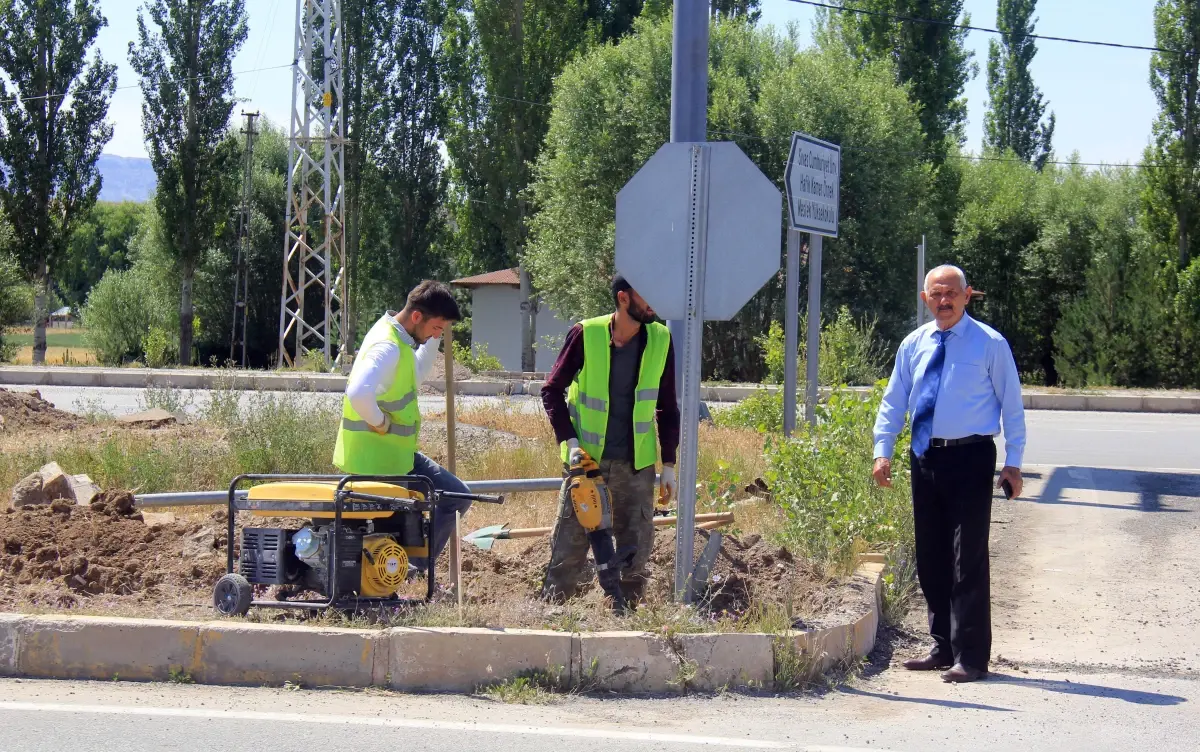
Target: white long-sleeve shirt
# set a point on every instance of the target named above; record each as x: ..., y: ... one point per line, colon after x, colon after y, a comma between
x: 375, y: 369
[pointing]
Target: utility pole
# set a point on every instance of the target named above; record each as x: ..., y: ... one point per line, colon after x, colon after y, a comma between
x: 920, y: 281
x: 241, y: 279
x: 689, y: 123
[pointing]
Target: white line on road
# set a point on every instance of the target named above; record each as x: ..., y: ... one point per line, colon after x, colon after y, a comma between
x: 414, y: 723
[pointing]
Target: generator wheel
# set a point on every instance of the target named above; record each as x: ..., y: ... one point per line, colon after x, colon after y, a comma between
x: 232, y: 595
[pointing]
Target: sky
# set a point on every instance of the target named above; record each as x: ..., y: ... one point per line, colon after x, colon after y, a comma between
x: 1100, y: 96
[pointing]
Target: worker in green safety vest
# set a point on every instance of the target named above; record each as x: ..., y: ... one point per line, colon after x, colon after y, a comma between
x: 381, y: 418
x: 611, y: 395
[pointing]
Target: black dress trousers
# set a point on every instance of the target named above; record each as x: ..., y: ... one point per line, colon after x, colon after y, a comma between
x: 952, y: 513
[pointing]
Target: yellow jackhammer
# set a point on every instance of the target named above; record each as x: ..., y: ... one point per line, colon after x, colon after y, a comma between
x: 593, y: 509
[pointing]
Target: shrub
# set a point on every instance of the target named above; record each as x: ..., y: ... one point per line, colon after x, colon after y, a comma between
x: 821, y: 479
x: 120, y: 314
x: 158, y: 348
x: 850, y: 352
x: 476, y: 359
x: 761, y: 411
x: 16, y: 301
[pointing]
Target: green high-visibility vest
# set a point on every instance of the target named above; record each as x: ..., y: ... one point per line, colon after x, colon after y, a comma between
x: 361, y: 451
x: 587, y: 398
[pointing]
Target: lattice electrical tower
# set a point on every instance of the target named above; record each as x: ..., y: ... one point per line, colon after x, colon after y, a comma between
x: 312, y: 314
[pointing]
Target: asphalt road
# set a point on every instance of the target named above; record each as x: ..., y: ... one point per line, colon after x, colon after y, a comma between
x: 1122, y: 440
x: 1094, y: 615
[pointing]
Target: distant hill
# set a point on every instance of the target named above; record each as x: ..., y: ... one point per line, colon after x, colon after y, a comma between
x: 126, y: 178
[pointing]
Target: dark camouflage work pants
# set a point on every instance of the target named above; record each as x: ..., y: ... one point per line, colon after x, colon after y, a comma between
x: 632, y: 496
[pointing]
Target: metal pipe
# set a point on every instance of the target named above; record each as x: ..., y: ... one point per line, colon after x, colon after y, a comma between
x: 201, y: 498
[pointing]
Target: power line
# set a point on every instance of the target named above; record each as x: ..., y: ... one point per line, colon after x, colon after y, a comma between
x: 135, y: 86
x: 910, y: 19
x: 921, y: 155
x: 927, y: 155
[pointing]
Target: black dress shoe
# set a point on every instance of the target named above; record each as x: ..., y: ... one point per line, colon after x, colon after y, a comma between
x: 960, y: 674
x: 930, y: 662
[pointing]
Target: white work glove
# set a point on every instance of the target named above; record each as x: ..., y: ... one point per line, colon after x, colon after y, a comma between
x: 574, y: 453
x: 669, y: 486
x: 383, y: 427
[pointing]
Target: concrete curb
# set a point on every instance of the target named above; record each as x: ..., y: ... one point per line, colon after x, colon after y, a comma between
x: 198, y: 378
x: 414, y: 659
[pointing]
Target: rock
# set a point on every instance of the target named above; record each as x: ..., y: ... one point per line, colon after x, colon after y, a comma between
x: 158, y: 519
x: 200, y: 545
x: 84, y: 489
x: 56, y: 484
x: 77, y: 583
x: 153, y: 418
x: 28, y: 492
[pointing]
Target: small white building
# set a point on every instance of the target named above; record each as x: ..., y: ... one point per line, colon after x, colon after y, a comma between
x: 496, y: 320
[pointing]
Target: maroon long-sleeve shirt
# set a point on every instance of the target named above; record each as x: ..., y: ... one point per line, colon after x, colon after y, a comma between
x: 567, y: 367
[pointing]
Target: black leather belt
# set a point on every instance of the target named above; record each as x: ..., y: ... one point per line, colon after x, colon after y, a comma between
x: 973, y: 439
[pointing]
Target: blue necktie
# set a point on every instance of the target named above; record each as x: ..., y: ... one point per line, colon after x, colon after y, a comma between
x: 922, y: 422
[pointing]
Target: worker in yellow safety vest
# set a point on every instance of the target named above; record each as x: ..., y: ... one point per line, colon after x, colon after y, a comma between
x: 611, y: 397
x: 381, y: 418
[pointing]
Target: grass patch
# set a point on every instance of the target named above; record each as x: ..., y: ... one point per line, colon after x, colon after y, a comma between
x: 72, y: 338
x: 531, y: 689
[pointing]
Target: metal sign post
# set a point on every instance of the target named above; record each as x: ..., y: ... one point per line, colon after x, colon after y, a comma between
x: 791, y: 321
x: 689, y: 442
x: 813, y: 180
x: 689, y: 112
x: 697, y: 236
x: 812, y: 380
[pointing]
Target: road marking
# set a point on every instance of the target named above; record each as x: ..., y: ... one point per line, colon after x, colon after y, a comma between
x: 411, y: 723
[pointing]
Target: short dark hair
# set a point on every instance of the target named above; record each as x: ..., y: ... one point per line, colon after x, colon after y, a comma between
x: 434, y: 300
x: 620, y: 284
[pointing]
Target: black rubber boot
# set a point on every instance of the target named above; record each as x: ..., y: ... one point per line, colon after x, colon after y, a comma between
x: 610, y: 583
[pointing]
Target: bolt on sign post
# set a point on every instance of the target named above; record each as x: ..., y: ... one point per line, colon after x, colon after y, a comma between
x: 813, y: 180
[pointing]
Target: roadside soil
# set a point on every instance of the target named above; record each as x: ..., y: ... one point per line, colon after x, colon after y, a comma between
x: 112, y: 559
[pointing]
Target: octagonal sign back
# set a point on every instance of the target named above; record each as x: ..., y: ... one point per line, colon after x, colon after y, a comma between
x: 744, y: 230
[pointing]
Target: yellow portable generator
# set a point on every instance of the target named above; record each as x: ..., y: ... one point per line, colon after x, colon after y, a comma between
x: 355, y: 552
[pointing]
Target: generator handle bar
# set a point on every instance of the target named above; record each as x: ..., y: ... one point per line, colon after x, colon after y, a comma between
x: 486, y: 498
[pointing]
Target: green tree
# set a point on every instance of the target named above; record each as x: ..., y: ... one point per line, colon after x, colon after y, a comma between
x: 612, y: 112
x: 930, y: 56
x: 998, y: 223
x: 100, y: 242
x: 1015, y: 107
x: 215, y: 276
x: 184, y: 58
x: 404, y: 222
x: 1107, y: 336
x: 53, y: 109
x: 1173, y: 158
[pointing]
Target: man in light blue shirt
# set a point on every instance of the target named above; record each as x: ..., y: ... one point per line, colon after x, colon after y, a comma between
x: 957, y: 380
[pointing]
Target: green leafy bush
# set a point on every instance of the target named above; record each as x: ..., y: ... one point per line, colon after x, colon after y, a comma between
x: 476, y: 359
x: 121, y: 312
x: 850, y: 351
x: 821, y: 480
x: 158, y: 348
x: 16, y: 301
x: 761, y: 411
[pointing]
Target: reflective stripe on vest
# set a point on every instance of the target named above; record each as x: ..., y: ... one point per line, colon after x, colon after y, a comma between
x: 361, y: 451
x: 588, y: 398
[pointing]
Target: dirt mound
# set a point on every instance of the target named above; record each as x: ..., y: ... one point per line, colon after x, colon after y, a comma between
x: 74, y: 554
x: 27, y: 410
x: 748, y: 572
